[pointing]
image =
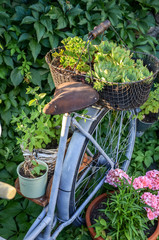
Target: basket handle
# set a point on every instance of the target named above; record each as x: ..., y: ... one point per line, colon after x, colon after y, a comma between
x: 99, y: 29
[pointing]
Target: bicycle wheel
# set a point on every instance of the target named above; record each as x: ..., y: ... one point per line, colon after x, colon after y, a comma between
x: 84, y: 166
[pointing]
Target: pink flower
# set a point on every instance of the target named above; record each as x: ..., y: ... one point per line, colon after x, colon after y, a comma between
x: 142, y: 182
x: 115, y: 176
x: 149, y: 181
x: 153, y: 175
x: 152, y: 201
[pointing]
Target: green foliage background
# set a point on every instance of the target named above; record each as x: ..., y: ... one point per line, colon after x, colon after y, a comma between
x: 28, y: 30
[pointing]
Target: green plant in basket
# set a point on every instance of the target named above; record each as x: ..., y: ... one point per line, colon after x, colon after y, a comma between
x: 75, y: 54
x: 115, y: 64
x: 36, y: 129
x: 106, y: 62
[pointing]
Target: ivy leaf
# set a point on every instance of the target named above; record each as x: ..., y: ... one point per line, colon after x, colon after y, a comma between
x: 6, y: 116
x: 28, y: 20
x: 3, y: 15
x: 24, y: 37
x: 11, y: 168
x: 13, y: 209
x: 50, y: 82
x: 61, y: 22
x: 54, y: 40
x: 75, y: 11
x: 157, y: 149
x: 7, y: 234
x: 36, y: 77
x: 35, y: 48
x: 20, y: 13
x: 7, y: 105
x: 55, y: 13
x: 16, y: 77
x: 40, y: 30
x: 37, y: 7
x: 7, y: 37
x: 48, y: 24
x: 82, y: 21
x: 8, y: 61
x: 148, y: 160
x: 3, y: 72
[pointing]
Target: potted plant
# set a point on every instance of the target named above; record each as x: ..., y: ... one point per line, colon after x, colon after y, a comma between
x: 121, y: 214
x: 33, y: 176
x: 38, y: 133
x: 148, y: 112
x: 122, y: 78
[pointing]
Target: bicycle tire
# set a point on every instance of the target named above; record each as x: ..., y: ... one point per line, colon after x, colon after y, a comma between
x: 66, y: 204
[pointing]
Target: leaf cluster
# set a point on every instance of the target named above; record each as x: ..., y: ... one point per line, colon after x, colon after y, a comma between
x: 75, y: 55
x: 114, y: 63
x: 126, y: 217
x: 110, y: 63
x: 36, y: 129
x: 152, y: 103
x: 33, y: 168
x: 146, y: 153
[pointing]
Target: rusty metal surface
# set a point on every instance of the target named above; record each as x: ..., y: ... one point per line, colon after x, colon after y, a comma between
x: 71, y: 96
x: 99, y: 29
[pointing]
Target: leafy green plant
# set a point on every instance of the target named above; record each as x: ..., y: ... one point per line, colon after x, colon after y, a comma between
x: 110, y: 63
x: 151, y: 105
x: 75, y: 54
x: 125, y: 217
x: 33, y: 169
x: 36, y: 129
x: 114, y: 63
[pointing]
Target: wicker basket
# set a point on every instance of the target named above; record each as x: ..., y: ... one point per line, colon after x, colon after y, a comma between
x: 49, y: 156
x: 118, y: 96
x: 60, y: 75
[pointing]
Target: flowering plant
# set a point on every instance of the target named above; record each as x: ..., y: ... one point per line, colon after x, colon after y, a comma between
x: 148, y: 183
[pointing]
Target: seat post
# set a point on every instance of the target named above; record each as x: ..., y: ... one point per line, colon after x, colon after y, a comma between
x: 57, y: 173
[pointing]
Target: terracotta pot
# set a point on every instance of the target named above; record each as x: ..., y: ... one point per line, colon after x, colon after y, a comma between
x: 156, y: 233
x: 93, y: 205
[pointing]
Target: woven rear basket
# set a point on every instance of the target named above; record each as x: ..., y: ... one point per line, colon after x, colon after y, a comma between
x: 118, y: 96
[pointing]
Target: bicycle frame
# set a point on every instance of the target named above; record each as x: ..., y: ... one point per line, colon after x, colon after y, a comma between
x: 48, y: 218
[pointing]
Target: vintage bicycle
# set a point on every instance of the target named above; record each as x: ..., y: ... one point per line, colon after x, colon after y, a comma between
x: 101, y: 139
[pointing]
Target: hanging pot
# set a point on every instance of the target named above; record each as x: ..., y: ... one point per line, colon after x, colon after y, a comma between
x: 94, y: 205
x: 142, y: 126
x: 33, y: 187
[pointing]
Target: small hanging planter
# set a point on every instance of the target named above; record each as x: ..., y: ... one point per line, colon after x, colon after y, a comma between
x: 33, y: 187
x: 93, y: 205
x: 145, y: 124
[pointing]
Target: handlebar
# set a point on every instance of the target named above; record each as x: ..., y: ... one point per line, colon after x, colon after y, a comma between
x: 7, y: 191
x: 99, y: 29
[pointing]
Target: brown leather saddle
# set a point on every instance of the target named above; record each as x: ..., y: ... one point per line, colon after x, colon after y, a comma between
x: 71, y: 96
